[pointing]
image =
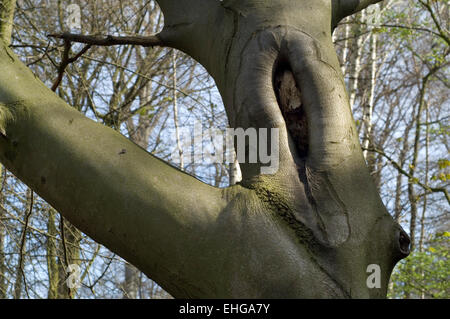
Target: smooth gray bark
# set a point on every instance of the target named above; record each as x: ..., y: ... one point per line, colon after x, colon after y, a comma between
x: 309, y: 230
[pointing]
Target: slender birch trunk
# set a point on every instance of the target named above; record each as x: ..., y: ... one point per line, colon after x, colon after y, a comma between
x: 360, y: 43
x: 369, y: 106
x: 175, y: 109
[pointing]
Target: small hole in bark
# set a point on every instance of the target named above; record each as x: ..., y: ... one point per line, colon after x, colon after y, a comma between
x: 290, y: 102
x: 404, y: 242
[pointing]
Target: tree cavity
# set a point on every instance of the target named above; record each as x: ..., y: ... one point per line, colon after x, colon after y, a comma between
x: 289, y: 99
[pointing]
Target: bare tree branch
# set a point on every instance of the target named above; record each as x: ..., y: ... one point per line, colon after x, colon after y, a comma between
x: 410, y: 177
x: 20, y: 265
x: 66, y: 60
x: 109, y: 40
x: 345, y: 8
x: 443, y: 33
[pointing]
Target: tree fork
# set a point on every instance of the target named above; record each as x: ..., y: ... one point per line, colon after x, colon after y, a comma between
x: 285, y: 235
x: 334, y: 162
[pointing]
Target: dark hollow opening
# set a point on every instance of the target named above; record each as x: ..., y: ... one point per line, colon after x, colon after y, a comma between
x: 404, y: 243
x: 290, y: 102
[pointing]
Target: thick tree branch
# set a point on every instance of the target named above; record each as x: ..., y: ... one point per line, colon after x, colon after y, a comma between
x: 109, y: 40
x: 184, y: 11
x: 148, y: 212
x: 196, y: 240
x: 345, y: 8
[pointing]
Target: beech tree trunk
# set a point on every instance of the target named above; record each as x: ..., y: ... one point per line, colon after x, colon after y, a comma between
x: 308, y: 231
